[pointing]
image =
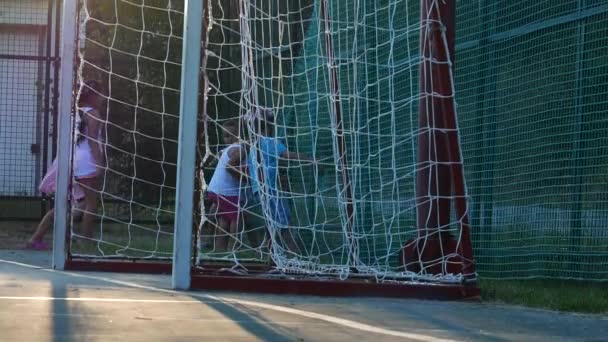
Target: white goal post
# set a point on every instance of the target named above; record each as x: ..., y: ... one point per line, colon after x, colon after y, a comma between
x: 64, y: 136
x: 184, y: 205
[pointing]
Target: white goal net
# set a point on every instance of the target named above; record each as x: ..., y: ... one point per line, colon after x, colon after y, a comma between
x: 131, y: 50
x: 327, y: 141
x: 323, y: 98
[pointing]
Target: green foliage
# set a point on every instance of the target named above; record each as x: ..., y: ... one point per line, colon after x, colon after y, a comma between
x: 135, y: 52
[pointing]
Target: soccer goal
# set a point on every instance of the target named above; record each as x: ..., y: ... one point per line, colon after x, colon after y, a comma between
x: 335, y: 119
x: 351, y: 180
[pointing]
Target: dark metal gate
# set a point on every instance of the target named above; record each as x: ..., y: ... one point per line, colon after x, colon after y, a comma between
x: 29, y: 32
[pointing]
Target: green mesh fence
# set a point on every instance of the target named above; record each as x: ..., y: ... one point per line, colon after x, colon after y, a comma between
x: 531, y: 82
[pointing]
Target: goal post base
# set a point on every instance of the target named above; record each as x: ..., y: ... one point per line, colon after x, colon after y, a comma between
x: 118, y: 266
x: 334, y: 288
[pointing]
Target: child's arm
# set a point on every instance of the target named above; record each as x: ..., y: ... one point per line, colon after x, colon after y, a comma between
x: 237, y: 158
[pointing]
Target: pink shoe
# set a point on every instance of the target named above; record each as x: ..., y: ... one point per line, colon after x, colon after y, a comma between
x: 37, y: 245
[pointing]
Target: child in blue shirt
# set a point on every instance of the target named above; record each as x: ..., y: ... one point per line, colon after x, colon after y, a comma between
x: 269, y: 152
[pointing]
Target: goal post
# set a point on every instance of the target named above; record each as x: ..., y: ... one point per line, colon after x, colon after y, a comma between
x: 132, y: 51
x: 64, y: 137
x: 186, y: 159
x: 440, y: 184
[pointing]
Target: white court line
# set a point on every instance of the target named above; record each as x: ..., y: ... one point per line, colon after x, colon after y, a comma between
x: 95, y: 299
x: 308, y: 314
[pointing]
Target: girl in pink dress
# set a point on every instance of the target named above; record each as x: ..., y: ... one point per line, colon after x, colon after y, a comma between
x: 87, y: 158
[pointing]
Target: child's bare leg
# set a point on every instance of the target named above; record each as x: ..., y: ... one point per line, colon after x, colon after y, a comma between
x: 43, y: 226
x: 88, y: 218
x: 235, y: 230
x: 221, y: 234
x: 255, y: 235
x: 209, y: 231
x: 255, y: 226
x: 90, y: 199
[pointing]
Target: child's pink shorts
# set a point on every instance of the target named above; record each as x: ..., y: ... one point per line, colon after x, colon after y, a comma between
x: 227, y: 206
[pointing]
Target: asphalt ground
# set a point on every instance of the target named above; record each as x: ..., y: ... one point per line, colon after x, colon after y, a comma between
x: 41, y: 304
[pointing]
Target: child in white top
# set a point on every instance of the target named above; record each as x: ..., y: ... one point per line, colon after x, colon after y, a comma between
x: 225, y: 188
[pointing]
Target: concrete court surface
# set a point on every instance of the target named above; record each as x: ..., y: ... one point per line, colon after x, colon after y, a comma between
x: 39, y: 304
